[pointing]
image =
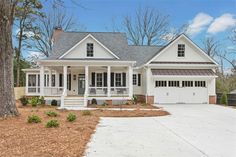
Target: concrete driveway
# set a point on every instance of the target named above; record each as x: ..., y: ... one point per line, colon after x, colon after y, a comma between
x: 191, y: 131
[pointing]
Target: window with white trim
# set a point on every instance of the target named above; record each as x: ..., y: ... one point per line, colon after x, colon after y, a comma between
x: 99, y: 79
x: 161, y: 83
x: 89, y: 49
x: 187, y: 83
x: 118, y: 79
x: 134, y: 79
x: 31, y: 80
x: 200, y: 83
x: 181, y: 50
x: 173, y: 83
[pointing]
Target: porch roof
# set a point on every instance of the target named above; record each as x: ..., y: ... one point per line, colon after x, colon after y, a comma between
x: 183, y: 72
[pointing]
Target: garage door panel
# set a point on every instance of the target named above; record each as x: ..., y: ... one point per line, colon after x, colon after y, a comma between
x: 181, y: 95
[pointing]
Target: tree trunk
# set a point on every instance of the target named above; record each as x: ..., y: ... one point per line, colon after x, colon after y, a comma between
x: 7, y: 97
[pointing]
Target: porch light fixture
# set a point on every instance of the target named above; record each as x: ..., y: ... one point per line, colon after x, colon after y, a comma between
x: 74, y: 77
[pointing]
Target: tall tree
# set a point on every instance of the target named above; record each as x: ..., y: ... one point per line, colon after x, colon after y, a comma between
x: 25, y: 14
x: 147, y: 27
x: 56, y: 17
x: 210, y: 46
x: 7, y: 97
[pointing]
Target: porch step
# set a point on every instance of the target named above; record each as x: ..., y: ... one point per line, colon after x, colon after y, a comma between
x: 73, y: 102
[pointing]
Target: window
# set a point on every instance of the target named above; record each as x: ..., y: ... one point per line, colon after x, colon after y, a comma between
x: 99, y: 79
x: 53, y: 80
x: 118, y: 79
x: 181, y: 50
x: 200, y: 83
x: 134, y: 79
x: 32, y: 80
x: 46, y: 80
x: 187, y: 83
x: 89, y: 49
x: 160, y: 83
x: 173, y: 83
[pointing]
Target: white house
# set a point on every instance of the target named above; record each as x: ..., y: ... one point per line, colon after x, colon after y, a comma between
x: 101, y: 65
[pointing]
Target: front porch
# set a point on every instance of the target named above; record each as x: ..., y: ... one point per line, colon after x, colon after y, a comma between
x: 80, y: 83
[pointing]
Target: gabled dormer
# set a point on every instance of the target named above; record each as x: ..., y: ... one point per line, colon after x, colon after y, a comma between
x: 89, y: 48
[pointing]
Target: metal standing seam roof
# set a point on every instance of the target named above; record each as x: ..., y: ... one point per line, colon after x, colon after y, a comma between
x: 181, y: 72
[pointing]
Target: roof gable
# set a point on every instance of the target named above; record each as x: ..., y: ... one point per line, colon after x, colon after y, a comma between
x: 79, y: 49
x: 192, y: 52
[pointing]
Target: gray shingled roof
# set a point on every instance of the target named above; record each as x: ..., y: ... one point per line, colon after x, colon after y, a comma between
x: 116, y: 42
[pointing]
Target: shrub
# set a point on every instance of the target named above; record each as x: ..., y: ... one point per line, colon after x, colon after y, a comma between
x: 224, y: 99
x: 94, y: 102
x: 41, y: 101
x: 51, y: 114
x: 86, y: 113
x: 34, y: 119
x: 34, y: 101
x: 104, y: 104
x: 54, y: 103
x: 52, y: 123
x: 135, y: 99
x: 24, y: 101
x: 71, y: 117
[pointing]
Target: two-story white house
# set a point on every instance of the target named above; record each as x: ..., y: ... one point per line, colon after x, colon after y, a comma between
x: 102, y: 65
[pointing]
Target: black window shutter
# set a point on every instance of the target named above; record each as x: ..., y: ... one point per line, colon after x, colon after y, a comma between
x: 112, y: 79
x: 93, y: 79
x: 124, y: 79
x: 60, y: 80
x: 105, y: 79
x: 139, y: 79
x: 69, y: 81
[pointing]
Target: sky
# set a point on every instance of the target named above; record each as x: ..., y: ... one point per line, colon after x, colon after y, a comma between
x: 205, y: 17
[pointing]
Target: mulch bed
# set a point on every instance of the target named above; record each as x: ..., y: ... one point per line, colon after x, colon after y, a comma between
x: 19, y: 138
x: 137, y: 106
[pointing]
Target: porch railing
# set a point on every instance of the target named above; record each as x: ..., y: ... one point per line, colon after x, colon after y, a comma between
x: 119, y: 91
x: 103, y: 91
x: 97, y: 91
x: 53, y: 91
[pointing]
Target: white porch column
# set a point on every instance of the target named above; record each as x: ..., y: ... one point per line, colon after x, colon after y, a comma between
x: 65, y: 79
x: 130, y: 81
x: 86, y: 81
x: 27, y: 83
x: 109, y: 81
x: 42, y: 80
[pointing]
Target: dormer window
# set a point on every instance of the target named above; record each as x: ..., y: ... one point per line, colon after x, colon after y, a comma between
x: 89, y: 49
x: 181, y: 50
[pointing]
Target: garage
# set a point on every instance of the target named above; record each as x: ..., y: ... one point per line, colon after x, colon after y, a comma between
x: 181, y: 85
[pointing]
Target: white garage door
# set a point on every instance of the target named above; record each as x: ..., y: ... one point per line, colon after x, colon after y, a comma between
x: 181, y: 92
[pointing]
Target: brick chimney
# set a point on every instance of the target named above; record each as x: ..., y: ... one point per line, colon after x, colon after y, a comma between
x: 56, y: 34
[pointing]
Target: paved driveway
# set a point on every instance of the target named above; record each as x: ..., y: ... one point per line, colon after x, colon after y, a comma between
x: 191, y: 131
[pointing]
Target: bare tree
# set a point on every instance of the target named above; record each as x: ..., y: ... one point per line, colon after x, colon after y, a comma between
x: 210, y: 46
x: 7, y: 97
x: 57, y: 17
x: 147, y: 27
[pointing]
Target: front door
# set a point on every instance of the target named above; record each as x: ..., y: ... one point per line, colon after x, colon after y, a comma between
x: 81, y: 84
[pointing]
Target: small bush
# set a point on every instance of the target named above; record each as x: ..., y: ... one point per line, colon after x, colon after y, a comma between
x: 54, y: 103
x: 104, y: 104
x: 224, y: 99
x: 135, y: 99
x: 94, y: 102
x: 86, y: 113
x: 51, y: 114
x: 34, y: 119
x: 52, y: 123
x: 24, y: 101
x: 34, y: 101
x: 71, y: 117
x: 41, y: 101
